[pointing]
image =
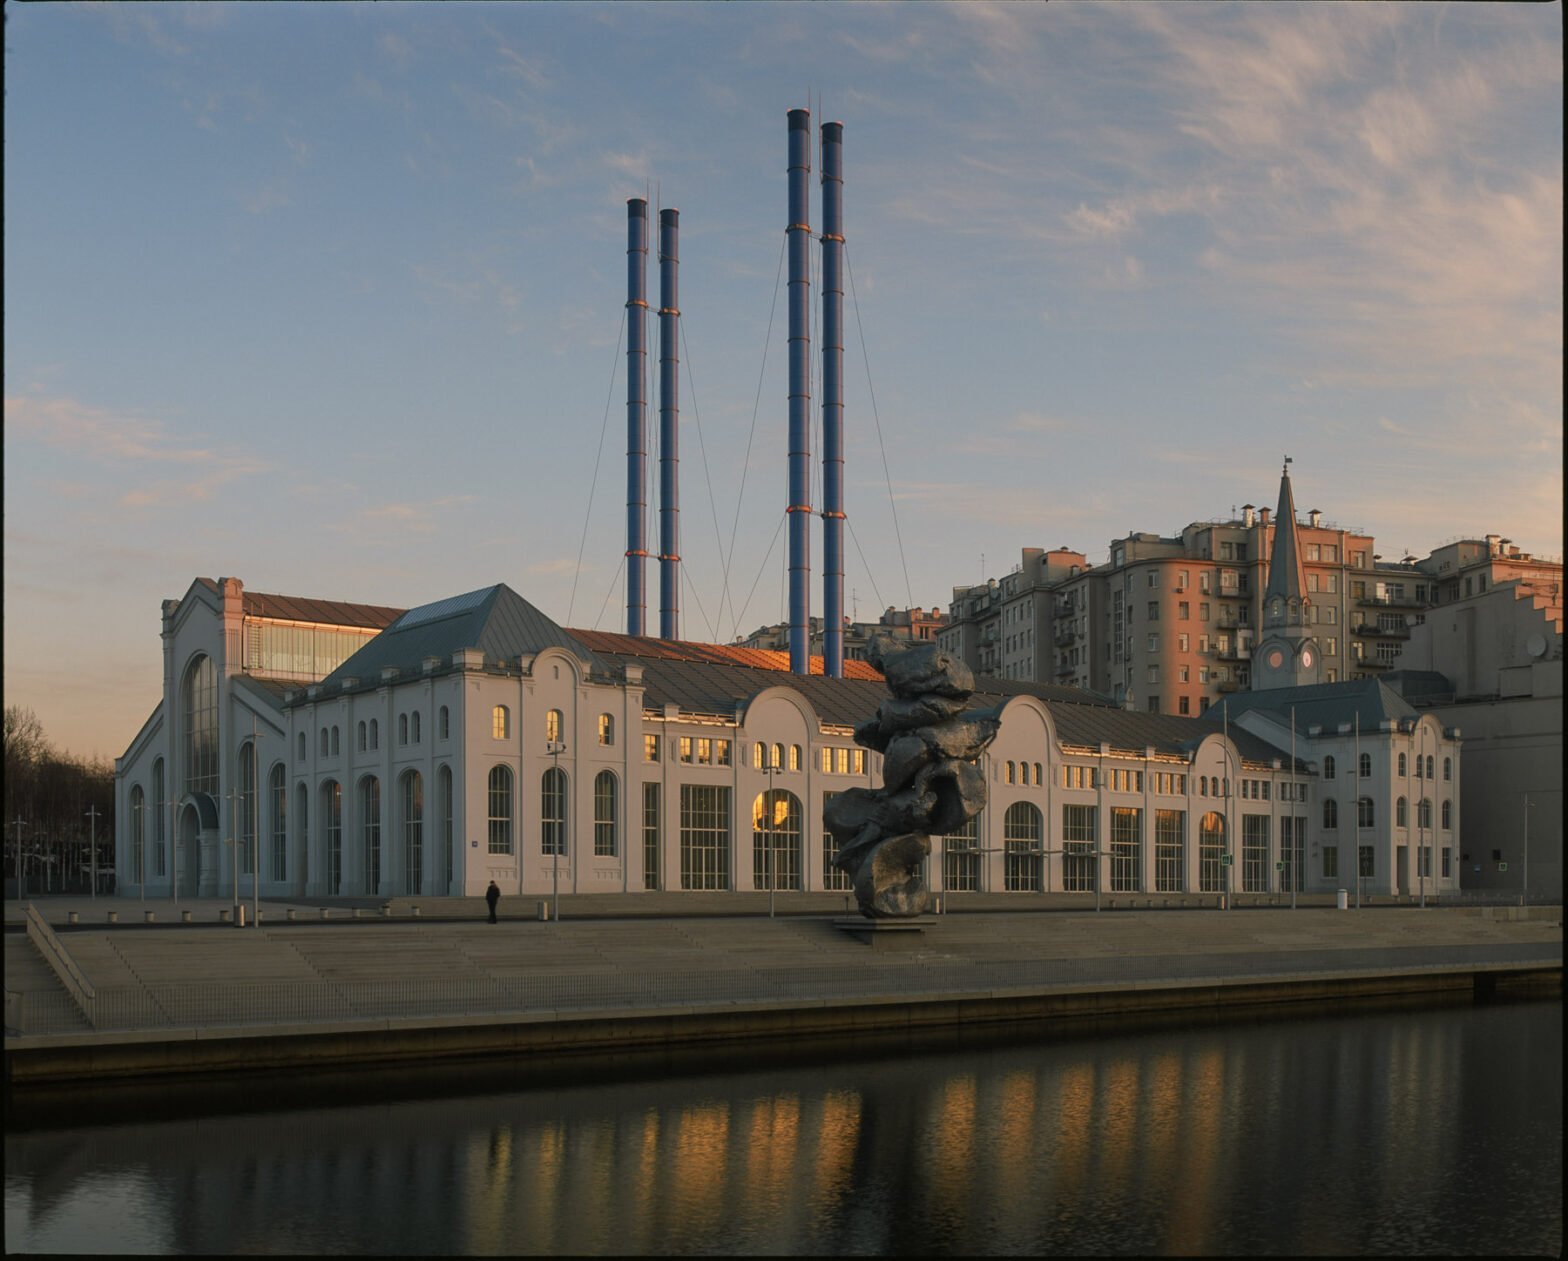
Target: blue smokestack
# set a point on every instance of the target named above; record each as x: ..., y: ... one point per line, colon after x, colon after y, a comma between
x: 833, y: 399
x: 669, y: 427
x: 636, y: 411
x: 799, y: 507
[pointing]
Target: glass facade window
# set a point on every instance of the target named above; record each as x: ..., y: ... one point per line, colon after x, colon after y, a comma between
x: 245, y: 825
x: 283, y: 651
x: 332, y: 835
x: 413, y: 802
x: 1170, y: 841
x: 448, y: 832
x: 1080, y: 838
x: 160, y: 804
x: 705, y: 836
x: 138, y: 835
x: 1331, y: 862
x: 501, y: 723
x: 302, y: 835
x: 776, y: 840
x: 605, y: 843
x: 606, y: 729
x: 833, y: 879
x: 1022, y: 838
x: 1255, y: 853
x: 499, y: 810
x: 552, y: 813
x: 1366, y: 813
x: 370, y: 831
x: 278, y: 796
x: 650, y: 748
x: 1330, y: 814
x: 961, y: 858
x: 200, y: 710
x: 1126, y: 849
x: 1211, y: 847
x: 651, y: 819
x: 554, y: 725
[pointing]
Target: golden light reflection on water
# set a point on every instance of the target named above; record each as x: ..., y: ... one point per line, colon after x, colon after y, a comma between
x: 699, y: 1162
x: 838, y: 1135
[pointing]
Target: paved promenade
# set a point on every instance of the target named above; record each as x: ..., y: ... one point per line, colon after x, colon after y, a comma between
x: 447, y: 969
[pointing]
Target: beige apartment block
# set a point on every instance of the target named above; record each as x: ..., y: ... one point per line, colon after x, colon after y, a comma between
x: 912, y: 626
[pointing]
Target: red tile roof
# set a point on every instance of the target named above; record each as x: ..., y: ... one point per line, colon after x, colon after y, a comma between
x: 718, y: 654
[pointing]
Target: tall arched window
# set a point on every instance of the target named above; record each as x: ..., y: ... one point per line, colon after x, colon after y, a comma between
x: 402, y: 729
x: 335, y: 746
x: 1022, y: 829
x: 604, y: 824
x: 1448, y: 768
x: 961, y: 858
x: 1424, y: 814
x: 1401, y: 811
x: 1328, y: 766
x: 1420, y: 767
x: 159, y: 805
x: 759, y: 756
x: 413, y: 803
x: 606, y: 729
x: 775, y: 840
x: 1448, y: 815
x: 375, y: 733
x: 1366, y: 766
x: 778, y: 757
x: 1330, y: 813
x: 245, y: 825
x: 552, y: 812
x: 332, y: 835
x: 448, y: 855
x: 302, y: 835
x: 1402, y: 771
x: 362, y: 744
x: 500, y: 723
x: 498, y: 795
x: 1366, y: 815
x: 1431, y: 767
x: 325, y: 745
x: 553, y: 726
x: 302, y: 746
x: 444, y: 724
x: 138, y: 835
x: 199, y: 692
x: 370, y: 831
x: 413, y: 720
x: 1211, y: 847
x: 1039, y: 780
x: 278, y: 802
x: 794, y: 757
x: 1007, y: 774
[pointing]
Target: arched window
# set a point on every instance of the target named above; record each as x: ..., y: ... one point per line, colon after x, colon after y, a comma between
x: 200, y: 695
x: 332, y: 835
x: 362, y: 736
x: 1448, y: 768
x: 778, y: 757
x: 1420, y: 768
x: 402, y: 729
x: 759, y: 756
x: 1203, y: 785
x: 302, y: 746
x: 375, y: 733
x: 1402, y: 771
x: 1007, y: 772
x: 278, y: 800
x: 606, y: 729
x: 499, y: 807
x: 1366, y: 766
x: 336, y: 749
x: 245, y: 825
x: 1330, y: 813
x: 443, y: 724
x: 1211, y: 848
x: 370, y: 831
x: 1430, y: 767
x: 414, y: 722
x: 1366, y: 816
x: 1022, y: 829
x: 159, y: 805
x: 961, y: 858
x: 138, y: 835
x: 1448, y: 815
x: 302, y: 834
x: 1328, y: 766
x: 1424, y: 813
x: 1401, y: 811
x: 552, y: 812
x: 1039, y: 779
x: 776, y: 840
x: 501, y: 723
x: 553, y: 726
x: 604, y: 830
x: 794, y: 757
x: 413, y: 810
x: 444, y: 806
x: 326, y: 743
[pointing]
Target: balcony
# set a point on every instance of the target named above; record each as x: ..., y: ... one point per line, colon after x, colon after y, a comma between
x: 1234, y: 652
x: 1391, y: 602
x: 1064, y: 608
x: 1381, y: 632
x: 1066, y: 635
x: 1370, y: 663
x: 1231, y: 685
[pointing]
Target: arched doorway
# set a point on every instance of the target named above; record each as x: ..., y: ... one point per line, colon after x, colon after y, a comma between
x: 187, y: 855
x: 776, y: 840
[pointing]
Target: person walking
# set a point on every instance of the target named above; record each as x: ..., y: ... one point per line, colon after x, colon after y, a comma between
x: 493, y: 896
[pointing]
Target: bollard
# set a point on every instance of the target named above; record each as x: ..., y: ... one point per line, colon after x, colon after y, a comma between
x: 544, y: 910
x: 386, y: 911
x: 291, y: 915
x: 324, y: 912
x: 185, y: 917
x: 357, y: 912
x: 72, y: 917
x: 114, y: 917
x: 414, y: 911
x: 239, y: 916
x: 223, y: 915
x: 151, y: 916
x: 1342, y: 900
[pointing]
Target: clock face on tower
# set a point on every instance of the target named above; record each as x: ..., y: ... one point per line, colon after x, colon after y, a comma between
x: 1276, y: 658
x: 1306, y: 658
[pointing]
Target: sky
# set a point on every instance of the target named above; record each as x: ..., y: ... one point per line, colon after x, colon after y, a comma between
x: 330, y: 297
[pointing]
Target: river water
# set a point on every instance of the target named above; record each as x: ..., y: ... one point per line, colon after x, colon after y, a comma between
x: 1417, y: 1130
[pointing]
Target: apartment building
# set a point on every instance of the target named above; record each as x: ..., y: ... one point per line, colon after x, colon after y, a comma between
x: 1169, y: 623
x: 914, y: 625
x: 1471, y: 567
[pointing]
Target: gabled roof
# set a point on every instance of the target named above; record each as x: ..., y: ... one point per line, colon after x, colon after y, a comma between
x: 495, y: 620
x: 719, y: 654
x: 293, y: 608
x: 1321, y: 704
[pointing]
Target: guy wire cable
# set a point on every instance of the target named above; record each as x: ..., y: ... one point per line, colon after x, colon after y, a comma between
x: 593, y: 485
x: 702, y: 446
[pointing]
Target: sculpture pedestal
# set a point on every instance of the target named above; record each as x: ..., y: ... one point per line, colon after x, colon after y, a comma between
x: 886, y: 934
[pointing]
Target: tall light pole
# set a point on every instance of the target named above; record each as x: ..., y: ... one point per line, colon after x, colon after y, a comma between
x: 1421, y: 810
x: 92, y: 817
x: 21, y: 878
x: 557, y: 841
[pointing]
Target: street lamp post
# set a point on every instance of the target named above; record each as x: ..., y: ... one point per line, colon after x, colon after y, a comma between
x: 1421, y: 810
x: 21, y: 878
x: 555, y: 748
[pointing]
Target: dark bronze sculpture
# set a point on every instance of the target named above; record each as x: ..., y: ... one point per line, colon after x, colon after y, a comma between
x: 931, y: 781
